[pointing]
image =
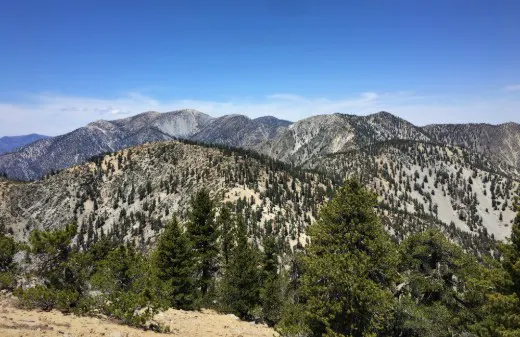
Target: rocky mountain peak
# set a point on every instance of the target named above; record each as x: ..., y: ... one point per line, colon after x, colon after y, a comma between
x: 272, y: 120
x: 510, y: 125
x: 235, y: 117
x: 384, y: 114
x: 189, y: 111
x: 101, y: 123
x: 294, y: 142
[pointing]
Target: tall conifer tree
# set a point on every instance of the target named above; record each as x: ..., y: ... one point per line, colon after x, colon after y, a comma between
x: 272, y: 287
x: 350, y: 266
x: 203, y: 234
x: 242, y: 279
x: 174, y: 266
x: 226, y: 227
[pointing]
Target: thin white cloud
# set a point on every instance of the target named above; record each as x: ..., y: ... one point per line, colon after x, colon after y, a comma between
x: 513, y: 87
x: 288, y: 97
x: 55, y: 114
x: 369, y: 96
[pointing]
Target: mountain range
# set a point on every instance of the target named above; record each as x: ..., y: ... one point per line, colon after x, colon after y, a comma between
x: 48, y: 155
x: 290, y: 142
x: 9, y: 144
x: 131, y: 194
x: 126, y: 177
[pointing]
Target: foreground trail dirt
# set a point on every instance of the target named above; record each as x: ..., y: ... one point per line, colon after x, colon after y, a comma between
x: 18, y: 322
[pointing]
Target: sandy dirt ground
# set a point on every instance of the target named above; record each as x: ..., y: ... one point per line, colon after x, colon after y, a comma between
x: 18, y: 322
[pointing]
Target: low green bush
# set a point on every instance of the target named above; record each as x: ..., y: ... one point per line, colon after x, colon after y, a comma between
x: 47, y: 299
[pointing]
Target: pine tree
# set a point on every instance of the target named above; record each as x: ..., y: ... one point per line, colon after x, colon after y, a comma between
x: 349, y: 267
x: 115, y: 271
x: 501, y: 314
x: 203, y: 234
x: 62, y: 269
x: 174, y: 266
x: 52, y: 250
x: 272, y: 288
x: 7, y: 251
x: 7, y: 264
x: 512, y: 255
x: 270, y: 256
x: 442, y: 287
x: 242, y: 279
x: 226, y: 226
x: 124, y: 279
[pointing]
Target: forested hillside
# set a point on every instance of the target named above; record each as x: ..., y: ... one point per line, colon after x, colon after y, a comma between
x: 440, y: 183
x: 350, y: 279
x: 183, y: 225
x: 132, y: 193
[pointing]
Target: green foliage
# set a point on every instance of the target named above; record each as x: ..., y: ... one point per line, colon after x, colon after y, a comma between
x: 55, y: 243
x: 120, y: 276
x: 46, y: 298
x: 7, y: 280
x: 346, y: 285
x: 174, y: 267
x: 511, y: 253
x: 203, y: 234
x: 7, y: 266
x: 125, y: 281
x: 117, y: 271
x: 51, y: 251
x: 294, y: 322
x: 99, y: 250
x: 350, y: 280
x: 350, y: 267
x: 63, y: 272
x: 501, y: 312
x: 7, y: 251
x: 241, y: 283
x: 271, y: 294
x: 270, y: 256
x: 132, y: 308
x: 442, y: 288
x: 226, y: 227
x: 272, y: 299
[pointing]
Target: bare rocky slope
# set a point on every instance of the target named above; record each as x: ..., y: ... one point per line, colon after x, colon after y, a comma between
x: 47, y: 155
x: 240, y: 131
x: 501, y: 142
x: 326, y: 134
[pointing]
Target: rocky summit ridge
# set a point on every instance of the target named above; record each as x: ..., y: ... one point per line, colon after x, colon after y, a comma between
x: 291, y: 142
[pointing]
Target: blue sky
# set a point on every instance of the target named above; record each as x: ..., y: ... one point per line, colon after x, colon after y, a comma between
x: 65, y: 63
